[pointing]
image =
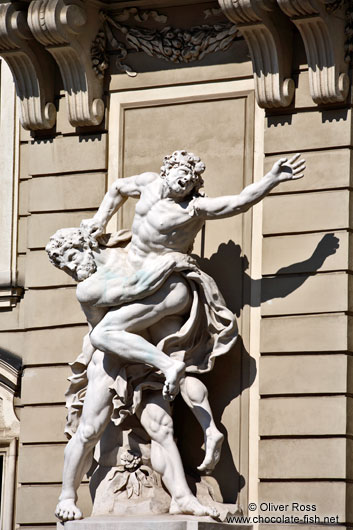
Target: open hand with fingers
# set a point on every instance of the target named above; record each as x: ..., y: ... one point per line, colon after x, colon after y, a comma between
x: 285, y: 169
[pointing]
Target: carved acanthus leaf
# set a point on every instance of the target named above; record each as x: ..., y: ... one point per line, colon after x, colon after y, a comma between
x: 323, y: 33
x: 168, y: 43
x: 269, y: 37
x: 31, y: 67
x: 66, y: 29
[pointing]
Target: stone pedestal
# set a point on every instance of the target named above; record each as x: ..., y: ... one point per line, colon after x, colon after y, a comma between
x: 153, y: 522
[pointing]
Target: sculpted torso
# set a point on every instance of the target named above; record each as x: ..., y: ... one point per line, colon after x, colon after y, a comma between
x: 161, y: 224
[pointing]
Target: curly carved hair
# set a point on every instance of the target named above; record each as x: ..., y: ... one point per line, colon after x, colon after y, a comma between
x: 67, y: 238
x: 183, y: 158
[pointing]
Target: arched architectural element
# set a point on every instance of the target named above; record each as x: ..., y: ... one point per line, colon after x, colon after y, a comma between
x: 323, y: 35
x: 67, y: 31
x: 269, y: 37
x: 31, y: 67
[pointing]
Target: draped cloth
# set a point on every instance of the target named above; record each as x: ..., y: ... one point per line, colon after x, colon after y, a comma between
x: 209, y: 330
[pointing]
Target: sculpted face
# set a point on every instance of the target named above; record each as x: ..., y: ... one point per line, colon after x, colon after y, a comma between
x: 180, y: 181
x: 78, y: 263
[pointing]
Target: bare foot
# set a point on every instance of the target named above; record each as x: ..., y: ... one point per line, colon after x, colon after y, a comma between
x: 190, y: 505
x: 172, y: 380
x: 213, y: 443
x: 67, y: 510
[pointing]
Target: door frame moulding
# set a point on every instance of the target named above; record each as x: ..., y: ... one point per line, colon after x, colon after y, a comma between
x: 119, y: 102
x: 10, y: 293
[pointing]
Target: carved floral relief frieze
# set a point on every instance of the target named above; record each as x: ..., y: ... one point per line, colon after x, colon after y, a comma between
x: 166, y: 42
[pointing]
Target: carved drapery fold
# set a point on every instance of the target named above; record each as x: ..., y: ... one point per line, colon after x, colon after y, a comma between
x: 269, y: 37
x: 67, y: 29
x: 323, y: 34
x: 31, y: 67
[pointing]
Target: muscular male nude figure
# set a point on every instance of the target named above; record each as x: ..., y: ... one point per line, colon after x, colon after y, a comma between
x: 168, y: 215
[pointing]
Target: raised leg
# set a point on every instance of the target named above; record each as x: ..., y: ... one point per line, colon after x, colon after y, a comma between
x: 155, y: 417
x: 195, y: 395
x: 117, y: 331
x: 95, y: 416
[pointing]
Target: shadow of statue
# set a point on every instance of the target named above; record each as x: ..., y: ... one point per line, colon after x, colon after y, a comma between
x: 230, y: 375
x: 236, y: 370
x: 228, y: 268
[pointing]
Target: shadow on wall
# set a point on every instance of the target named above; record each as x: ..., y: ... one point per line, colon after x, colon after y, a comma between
x: 228, y: 268
x: 236, y: 371
x: 224, y: 384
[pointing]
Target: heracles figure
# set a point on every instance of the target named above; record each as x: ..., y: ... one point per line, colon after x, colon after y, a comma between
x: 154, y: 317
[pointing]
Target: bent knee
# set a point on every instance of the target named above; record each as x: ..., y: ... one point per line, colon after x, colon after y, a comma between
x: 178, y: 299
x: 100, y: 335
x: 88, y: 433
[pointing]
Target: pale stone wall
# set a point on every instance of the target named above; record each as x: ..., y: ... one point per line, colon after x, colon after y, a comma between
x: 62, y: 180
x: 305, y: 376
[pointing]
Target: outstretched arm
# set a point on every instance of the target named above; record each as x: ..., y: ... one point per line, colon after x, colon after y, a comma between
x: 120, y: 190
x: 226, y: 206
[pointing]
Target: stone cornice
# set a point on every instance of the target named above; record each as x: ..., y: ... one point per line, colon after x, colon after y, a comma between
x: 66, y: 30
x: 10, y: 296
x: 269, y: 40
x: 323, y: 34
x: 31, y: 67
x: 269, y: 37
x: 38, y: 36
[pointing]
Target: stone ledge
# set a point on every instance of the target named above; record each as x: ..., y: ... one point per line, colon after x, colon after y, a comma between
x: 153, y: 522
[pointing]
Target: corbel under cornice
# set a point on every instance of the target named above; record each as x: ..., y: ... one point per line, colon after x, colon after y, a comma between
x: 66, y: 29
x: 269, y: 37
x: 31, y: 67
x: 323, y: 33
x: 268, y: 34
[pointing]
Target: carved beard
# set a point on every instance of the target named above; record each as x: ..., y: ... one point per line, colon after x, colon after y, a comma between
x: 86, y: 269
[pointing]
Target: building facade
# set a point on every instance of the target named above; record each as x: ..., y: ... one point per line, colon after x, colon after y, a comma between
x: 105, y: 90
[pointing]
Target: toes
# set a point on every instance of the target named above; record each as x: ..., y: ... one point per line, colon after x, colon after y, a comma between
x: 213, y: 513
